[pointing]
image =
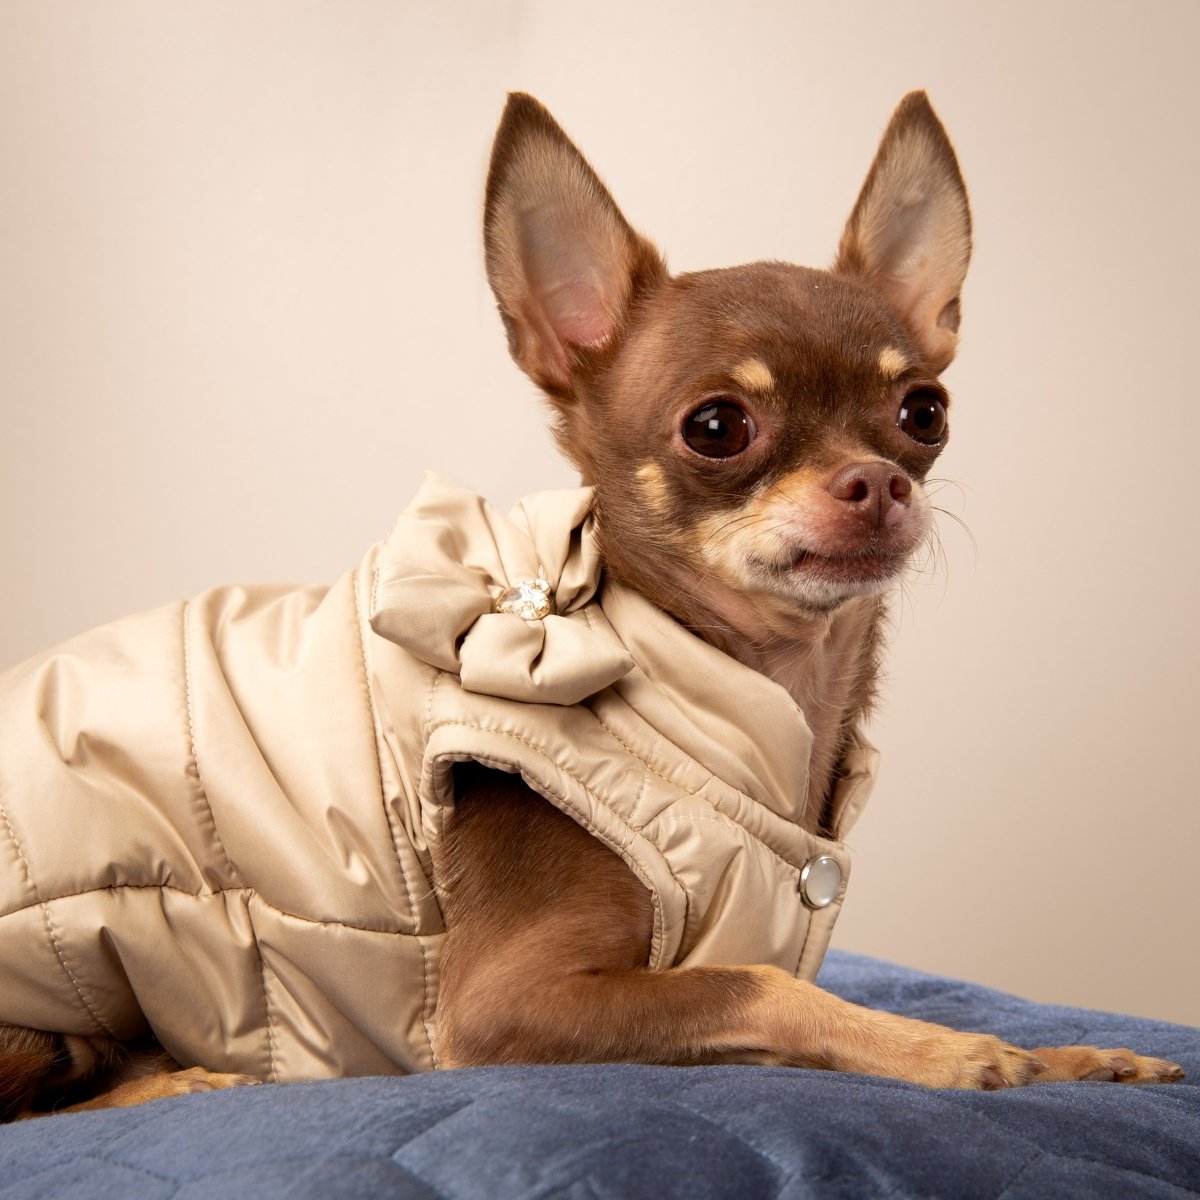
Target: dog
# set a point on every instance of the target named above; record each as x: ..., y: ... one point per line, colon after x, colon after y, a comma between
x: 639, y: 705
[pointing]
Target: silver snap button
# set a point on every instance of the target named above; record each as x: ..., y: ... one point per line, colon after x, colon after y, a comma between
x: 820, y: 881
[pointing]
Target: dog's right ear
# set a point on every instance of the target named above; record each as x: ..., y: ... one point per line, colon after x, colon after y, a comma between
x: 562, y: 260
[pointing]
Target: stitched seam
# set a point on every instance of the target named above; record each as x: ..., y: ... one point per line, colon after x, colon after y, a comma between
x: 637, y: 800
x: 1008, y: 1183
x: 726, y: 822
x: 133, y: 1168
x: 516, y: 737
x: 310, y: 1158
x: 541, y: 753
x: 687, y: 900
x: 786, y: 1171
x: 698, y: 792
x: 51, y: 932
x: 272, y: 1072
x: 233, y: 891
x: 433, y: 687
x: 955, y: 1102
x: 194, y: 760
x: 373, y: 718
x: 719, y: 819
x: 62, y: 959
x: 16, y: 841
x: 212, y: 820
x: 644, y: 758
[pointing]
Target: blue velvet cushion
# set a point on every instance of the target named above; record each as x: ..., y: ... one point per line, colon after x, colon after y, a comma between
x: 585, y: 1133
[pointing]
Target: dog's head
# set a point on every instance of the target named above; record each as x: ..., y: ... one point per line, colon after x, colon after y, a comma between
x: 758, y: 436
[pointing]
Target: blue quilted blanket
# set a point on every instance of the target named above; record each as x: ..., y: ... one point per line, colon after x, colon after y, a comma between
x: 650, y: 1133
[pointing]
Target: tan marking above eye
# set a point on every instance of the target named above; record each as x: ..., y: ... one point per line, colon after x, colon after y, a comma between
x: 892, y: 362
x: 753, y: 374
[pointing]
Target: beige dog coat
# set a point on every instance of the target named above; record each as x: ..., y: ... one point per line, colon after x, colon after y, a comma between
x: 220, y: 820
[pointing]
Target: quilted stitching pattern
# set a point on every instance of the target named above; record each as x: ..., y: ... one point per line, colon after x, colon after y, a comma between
x: 630, y: 1132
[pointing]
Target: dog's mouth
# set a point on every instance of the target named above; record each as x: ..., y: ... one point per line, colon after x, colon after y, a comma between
x: 870, y: 566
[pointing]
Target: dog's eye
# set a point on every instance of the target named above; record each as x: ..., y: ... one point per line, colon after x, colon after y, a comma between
x: 923, y: 417
x: 718, y: 430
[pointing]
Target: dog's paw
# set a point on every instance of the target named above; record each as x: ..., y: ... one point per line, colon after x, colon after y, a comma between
x: 1110, y: 1066
x: 161, y: 1086
x: 973, y: 1060
x: 197, y: 1079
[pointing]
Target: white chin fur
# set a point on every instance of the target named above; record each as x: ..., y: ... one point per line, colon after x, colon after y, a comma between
x: 819, y: 593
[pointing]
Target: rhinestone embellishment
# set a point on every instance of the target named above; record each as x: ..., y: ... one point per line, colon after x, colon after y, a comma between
x: 529, y: 598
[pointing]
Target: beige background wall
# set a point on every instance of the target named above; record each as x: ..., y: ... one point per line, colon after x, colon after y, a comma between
x: 241, y: 308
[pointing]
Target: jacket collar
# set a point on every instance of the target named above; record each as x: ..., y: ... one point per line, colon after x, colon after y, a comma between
x: 743, y: 727
x: 451, y: 558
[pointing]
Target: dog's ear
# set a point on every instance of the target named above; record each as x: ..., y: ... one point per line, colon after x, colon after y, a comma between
x: 562, y: 260
x: 910, y: 232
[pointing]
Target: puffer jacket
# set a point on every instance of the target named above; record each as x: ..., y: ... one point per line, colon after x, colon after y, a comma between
x: 220, y: 821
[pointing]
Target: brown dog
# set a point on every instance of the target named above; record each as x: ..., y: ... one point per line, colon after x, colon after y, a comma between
x: 758, y: 440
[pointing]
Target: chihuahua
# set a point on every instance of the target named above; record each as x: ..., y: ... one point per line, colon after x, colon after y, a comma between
x: 758, y: 440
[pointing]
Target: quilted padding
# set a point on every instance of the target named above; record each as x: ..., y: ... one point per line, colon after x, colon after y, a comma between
x: 631, y: 1132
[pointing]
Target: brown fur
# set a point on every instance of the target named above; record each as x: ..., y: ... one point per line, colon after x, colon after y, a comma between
x: 778, y: 553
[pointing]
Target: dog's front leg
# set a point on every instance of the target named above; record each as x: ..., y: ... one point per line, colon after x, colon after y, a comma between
x: 707, y: 1015
x: 548, y: 934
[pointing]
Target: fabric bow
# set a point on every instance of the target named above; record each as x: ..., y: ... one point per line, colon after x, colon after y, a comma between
x: 451, y: 557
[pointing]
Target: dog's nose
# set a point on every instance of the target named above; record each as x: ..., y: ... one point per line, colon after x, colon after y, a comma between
x: 877, y: 491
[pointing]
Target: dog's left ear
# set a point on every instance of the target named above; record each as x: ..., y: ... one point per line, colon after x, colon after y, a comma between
x: 910, y: 232
x: 563, y: 262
